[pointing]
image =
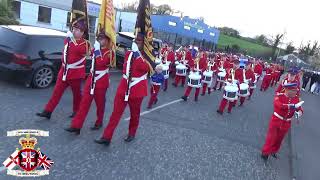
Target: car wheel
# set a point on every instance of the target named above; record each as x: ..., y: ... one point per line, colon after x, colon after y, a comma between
x: 43, y: 77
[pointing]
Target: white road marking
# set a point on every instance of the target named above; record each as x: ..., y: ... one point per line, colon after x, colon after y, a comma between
x: 156, y: 108
x: 2, y: 168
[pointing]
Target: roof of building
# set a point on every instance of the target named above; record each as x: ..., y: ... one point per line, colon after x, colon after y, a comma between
x: 31, y: 30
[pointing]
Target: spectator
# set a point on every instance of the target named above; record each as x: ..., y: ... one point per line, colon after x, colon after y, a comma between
x: 305, y: 78
x: 313, y: 79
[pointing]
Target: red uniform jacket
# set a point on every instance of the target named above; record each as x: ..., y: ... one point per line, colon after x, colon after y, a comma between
x: 75, y: 53
x: 202, y: 64
x: 139, y: 67
x: 268, y: 71
x: 188, y: 56
x: 282, y: 108
x: 238, y: 75
x: 102, y: 63
x: 258, y: 69
x: 179, y: 55
x: 171, y: 57
x: 250, y: 75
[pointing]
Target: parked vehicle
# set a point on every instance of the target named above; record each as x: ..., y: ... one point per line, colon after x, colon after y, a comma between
x: 124, y: 43
x: 32, y: 54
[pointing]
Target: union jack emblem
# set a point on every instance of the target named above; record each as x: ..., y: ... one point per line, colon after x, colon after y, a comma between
x: 28, y: 159
x: 44, y: 161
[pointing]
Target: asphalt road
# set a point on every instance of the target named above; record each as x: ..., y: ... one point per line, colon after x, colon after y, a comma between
x: 184, y: 140
x: 306, y: 137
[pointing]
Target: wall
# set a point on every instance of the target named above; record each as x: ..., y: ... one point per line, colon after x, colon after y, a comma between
x: 29, y: 16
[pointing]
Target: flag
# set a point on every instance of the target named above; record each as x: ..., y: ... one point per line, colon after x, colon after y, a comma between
x: 79, y: 12
x: 143, y: 25
x: 106, y: 24
x: 44, y: 161
x: 12, y: 160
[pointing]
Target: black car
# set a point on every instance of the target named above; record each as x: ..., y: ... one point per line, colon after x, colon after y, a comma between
x: 124, y: 43
x: 32, y: 54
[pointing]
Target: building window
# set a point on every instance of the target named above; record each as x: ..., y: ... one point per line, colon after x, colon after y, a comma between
x: 44, y: 14
x: 16, y: 6
x: 68, y: 19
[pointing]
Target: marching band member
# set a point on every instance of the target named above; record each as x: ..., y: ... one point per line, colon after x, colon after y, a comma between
x: 96, y: 85
x: 266, y: 79
x: 200, y: 65
x: 156, y: 81
x: 273, y: 75
x: 186, y: 60
x: 72, y: 71
x: 170, y: 57
x: 229, y: 78
x: 220, y: 66
x: 258, y: 69
x: 133, y: 87
x: 252, y: 79
x: 210, y: 67
x: 285, y: 107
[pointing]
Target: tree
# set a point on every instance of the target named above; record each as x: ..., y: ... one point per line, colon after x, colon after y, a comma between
x: 229, y: 31
x: 6, y: 13
x: 130, y: 7
x: 275, y: 45
x: 163, y: 9
x: 261, y: 39
x: 290, y: 48
x: 309, y: 50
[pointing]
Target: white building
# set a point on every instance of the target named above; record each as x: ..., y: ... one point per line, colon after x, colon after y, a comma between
x: 53, y: 14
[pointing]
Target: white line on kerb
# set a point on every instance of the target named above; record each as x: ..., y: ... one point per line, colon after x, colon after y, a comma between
x: 2, y: 168
x: 156, y: 108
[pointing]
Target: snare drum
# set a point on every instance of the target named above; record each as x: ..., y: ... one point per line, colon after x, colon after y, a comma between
x: 230, y: 92
x: 194, y: 80
x: 165, y: 71
x: 221, y: 76
x: 181, y: 70
x: 176, y: 63
x: 244, y: 90
x: 207, y: 77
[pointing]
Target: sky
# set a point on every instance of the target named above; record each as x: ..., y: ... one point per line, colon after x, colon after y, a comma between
x: 298, y: 19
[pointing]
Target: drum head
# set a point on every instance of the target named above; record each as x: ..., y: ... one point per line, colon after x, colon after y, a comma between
x: 231, y: 88
x: 208, y: 73
x: 222, y: 74
x: 244, y: 86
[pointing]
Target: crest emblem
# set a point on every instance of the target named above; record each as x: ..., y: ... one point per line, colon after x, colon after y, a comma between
x: 28, y: 159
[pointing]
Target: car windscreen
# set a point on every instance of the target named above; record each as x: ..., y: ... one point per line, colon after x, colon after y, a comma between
x: 124, y: 41
x: 12, y: 41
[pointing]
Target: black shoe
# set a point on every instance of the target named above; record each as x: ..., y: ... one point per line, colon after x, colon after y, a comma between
x: 249, y: 98
x: 129, y: 138
x: 155, y: 102
x: 202, y: 94
x: 229, y: 112
x: 44, y: 114
x: 182, y: 85
x: 185, y: 98
x: 73, y: 130
x: 96, y: 127
x: 174, y: 84
x: 102, y: 141
x: 72, y: 115
x: 220, y: 112
x: 149, y: 107
x: 264, y: 157
x: 275, y: 156
x: 240, y: 105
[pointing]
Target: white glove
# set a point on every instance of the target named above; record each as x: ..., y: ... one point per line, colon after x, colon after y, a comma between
x: 96, y: 45
x: 134, y: 47
x: 69, y: 34
x: 298, y: 114
x: 299, y: 104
